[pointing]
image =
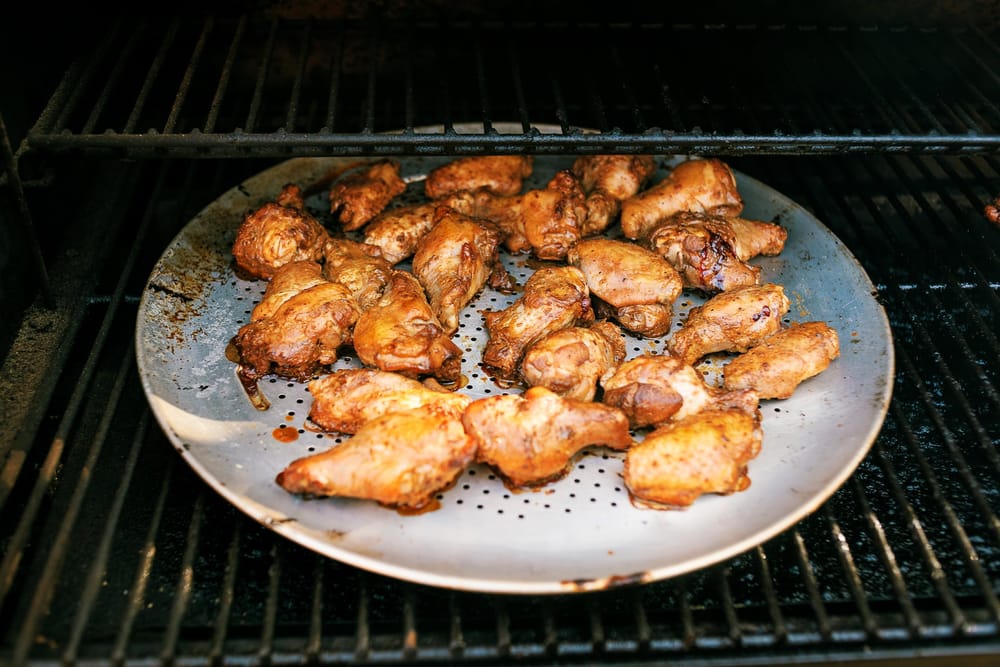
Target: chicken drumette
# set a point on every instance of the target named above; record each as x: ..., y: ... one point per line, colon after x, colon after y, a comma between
x: 397, y: 231
x: 570, y: 361
x: 607, y: 181
x: 362, y: 194
x: 778, y: 365
x: 497, y: 174
x: 359, y: 267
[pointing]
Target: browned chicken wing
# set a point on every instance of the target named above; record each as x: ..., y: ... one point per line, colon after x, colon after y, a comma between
x: 706, y: 452
x: 398, y: 230
x: 653, y: 389
x: 359, y: 267
x: 277, y: 233
x: 531, y: 438
x: 497, y: 174
x: 364, y: 193
x: 704, y: 186
x: 570, y: 361
x: 608, y: 180
x: 638, y: 286
x: 777, y: 366
x: 400, y: 459
x: 348, y: 398
x: 401, y: 333
x: 554, y: 298
x: 454, y: 260
x: 287, y: 281
x: 732, y: 321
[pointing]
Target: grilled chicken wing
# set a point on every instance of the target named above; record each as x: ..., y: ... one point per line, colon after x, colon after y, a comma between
x: 497, y: 174
x: 359, y: 267
x: 454, y: 260
x: 651, y: 390
x: 704, y: 186
x: 348, y: 398
x: 531, y: 438
x: 400, y: 459
x: 286, y: 282
x: 570, y: 361
x: 364, y: 193
x: 638, y: 285
x: 706, y: 452
x: 732, y: 321
x: 277, y: 233
x: 554, y: 298
x: 608, y: 180
x: 778, y: 365
x: 401, y: 333
x: 398, y: 230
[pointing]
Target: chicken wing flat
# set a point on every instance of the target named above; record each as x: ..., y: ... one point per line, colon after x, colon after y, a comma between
x: 400, y: 460
x: 362, y: 194
x: 401, y: 333
x: 703, y: 185
x: 653, y: 389
x: 608, y: 180
x: 286, y: 282
x: 639, y: 286
x: 359, y: 267
x: 531, y: 438
x: 497, y: 174
x: 732, y: 321
x: 398, y: 230
x: 777, y: 366
x: 706, y: 452
x: 348, y: 398
x: 554, y: 298
x: 570, y: 361
x: 277, y: 233
x: 454, y: 260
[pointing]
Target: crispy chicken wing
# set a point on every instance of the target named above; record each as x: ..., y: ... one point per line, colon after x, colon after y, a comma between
x: 348, y: 398
x: 638, y: 286
x: 400, y: 459
x: 778, y: 365
x: 570, y: 361
x: 732, y: 321
x: 497, y: 174
x: 359, y: 267
x: 397, y: 231
x: 454, y: 260
x: 531, y: 438
x: 277, y: 233
x: 401, y: 333
x: 554, y: 298
x: 706, y: 452
x: 362, y: 194
x: 608, y: 180
x: 705, y: 186
x: 653, y: 389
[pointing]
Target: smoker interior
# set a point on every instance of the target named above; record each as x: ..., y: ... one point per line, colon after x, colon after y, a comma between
x: 115, y: 552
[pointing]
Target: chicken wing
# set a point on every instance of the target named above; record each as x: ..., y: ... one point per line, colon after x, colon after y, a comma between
x: 348, y: 398
x: 732, y: 321
x: 400, y: 459
x: 570, y: 361
x: 362, y: 194
x: 554, y: 298
x: 287, y: 281
x: 703, y: 185
x: 398, y: 230
x: 277, y: 233
x: 454, y: 260
x: 638, y: 285
x: 777, y: 366
x: 706, y: 452
x: 531, y: 438
x: 653, y: 389
x: 401, y: 333
x: 608, y: 180
x: 497, y: 174
x: 359, y: 267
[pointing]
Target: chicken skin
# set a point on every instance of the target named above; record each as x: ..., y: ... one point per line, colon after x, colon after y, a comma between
x: 287, y: 281
x: 703, y: 186
x: 364, y: 193
x: 401, y: 333
x: 732, y: 321
x: 710, y: 252
x: 570, y: 361
x: 359, y: 267
x: 398, y: 230
x: 453, y: 262
x: 277, y: 233
x: 531, y: 438
x: 638, y: 286
x: 554, y: 298
x: 497, y: 174
x: 348, y: 398
x: 400, y: 459
x: 608, y: 180
x: 706, y: 452
x: 653, y: 389
x: 777, y: 366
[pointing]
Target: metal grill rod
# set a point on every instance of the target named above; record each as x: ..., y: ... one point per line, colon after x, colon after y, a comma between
x: 227, y: 71
x: 151, y: 77
x: 265, y: 64
x: 185, y: 84
x: 110, y: 81
x: 300, y: 71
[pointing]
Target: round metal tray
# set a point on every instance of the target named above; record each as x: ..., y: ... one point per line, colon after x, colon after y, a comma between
x: 580, y: 533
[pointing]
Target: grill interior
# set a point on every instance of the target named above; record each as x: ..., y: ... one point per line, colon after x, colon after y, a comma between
x: 113, y: 551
